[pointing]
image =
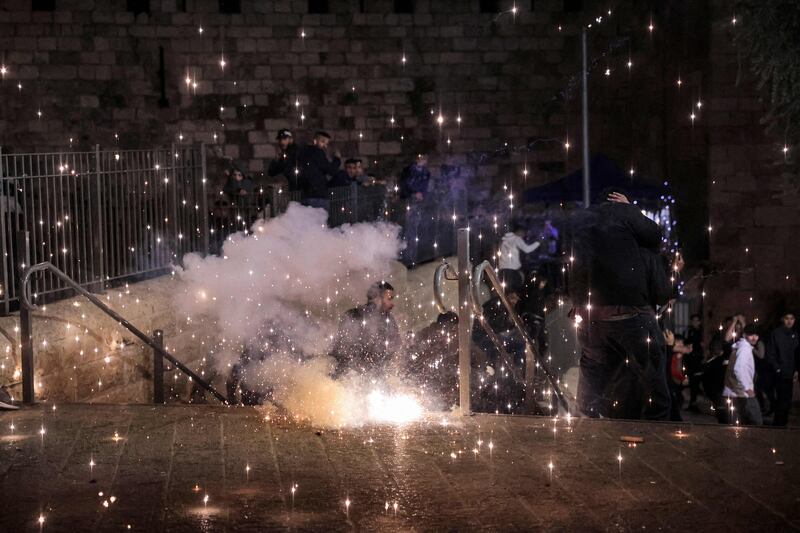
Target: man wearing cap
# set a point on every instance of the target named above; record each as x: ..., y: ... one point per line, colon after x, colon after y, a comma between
x: 316, y: 170
x: 285, y: 164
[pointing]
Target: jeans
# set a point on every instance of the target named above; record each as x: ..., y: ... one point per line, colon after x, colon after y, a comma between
x: 747, y: 412
x: 623, y: 369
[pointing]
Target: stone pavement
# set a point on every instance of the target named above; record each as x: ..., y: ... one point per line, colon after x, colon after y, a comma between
x: 144, y: 468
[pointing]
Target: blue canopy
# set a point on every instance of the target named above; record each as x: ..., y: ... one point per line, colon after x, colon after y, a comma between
x: 604, y: 172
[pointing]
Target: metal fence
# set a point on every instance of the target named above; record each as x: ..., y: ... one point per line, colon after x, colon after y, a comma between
x: 101, y: 215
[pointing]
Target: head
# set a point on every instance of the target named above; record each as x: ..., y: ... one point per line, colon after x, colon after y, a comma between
x: 604, y: 194
x: 237, y: 174
x: 285, y: 138
x: 513, y: 297
x: 382, y: 295
x: 322, y: 139
x: 518, y: 228
x: 353, y: 167
x: 422, y: 160
x: 680, y: 343
x: 788, y: 320
x: 695, y: 321
x: 726, y: 323
x: 750, y: 334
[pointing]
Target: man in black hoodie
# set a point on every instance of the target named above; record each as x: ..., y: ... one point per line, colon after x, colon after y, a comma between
x: 316, y: 170
x: 783, y: 352
x: 617, y: 280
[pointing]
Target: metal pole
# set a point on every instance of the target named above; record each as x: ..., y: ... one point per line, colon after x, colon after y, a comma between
x: 98, y: 254
x: 25, y: 319
x: 464, y: 321
x: 158, y: 368
x: 204, y: 200
x: 5, y: 244
x: 585, y: 113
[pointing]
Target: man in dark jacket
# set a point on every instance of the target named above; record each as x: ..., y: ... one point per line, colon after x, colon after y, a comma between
x: 316, y: 170
x: 783, y: 351
x: 368, y: 335
x: 616, y: 280
x: 285, y: 164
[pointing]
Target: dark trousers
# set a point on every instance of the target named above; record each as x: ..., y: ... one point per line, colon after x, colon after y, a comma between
x: 747, y: 412
x: 783, y: 402
x: 622, y: 375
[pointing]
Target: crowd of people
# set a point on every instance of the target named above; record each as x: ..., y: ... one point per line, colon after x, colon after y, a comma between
x: 745, y: 376
x: 633, y: 365
x: 312, y: 169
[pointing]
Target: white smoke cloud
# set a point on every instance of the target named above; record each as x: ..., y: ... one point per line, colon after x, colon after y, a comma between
x: 285, y: 285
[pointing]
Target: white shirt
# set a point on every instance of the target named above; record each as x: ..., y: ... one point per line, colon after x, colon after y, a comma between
x: 509, y: 251
x: 741, y: 371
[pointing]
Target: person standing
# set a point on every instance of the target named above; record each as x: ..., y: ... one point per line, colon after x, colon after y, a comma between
x: 783, y: 352
x: 739, y: 390
x: 616, y: 280
x: 508, y: 262
x: 413, y: 185
x: 316, y: 170
x: 693, y: 361
x: 285, y: 163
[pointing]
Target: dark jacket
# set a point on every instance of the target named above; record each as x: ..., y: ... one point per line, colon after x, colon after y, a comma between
x: 366, y: 340
x: 233, y: 188
x: 615, y: 257
x: 284, y: 165
x: 414, y: 179
x: 340, y: 179
x: 314, y: 170
x: 783, y: 352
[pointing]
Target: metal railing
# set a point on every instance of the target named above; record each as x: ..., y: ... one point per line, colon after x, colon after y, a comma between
x: 469, y: 285
x: 156, y: 343
x: 102, y: 215
x: 533, y: 359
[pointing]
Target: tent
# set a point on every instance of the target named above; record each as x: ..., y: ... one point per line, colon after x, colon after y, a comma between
x: 604, y: 172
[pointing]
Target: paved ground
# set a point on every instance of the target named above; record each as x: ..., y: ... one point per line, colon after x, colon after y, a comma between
x: 483, y: 472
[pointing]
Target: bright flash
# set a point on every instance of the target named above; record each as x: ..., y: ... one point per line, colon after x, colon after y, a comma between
x: 393, y: 409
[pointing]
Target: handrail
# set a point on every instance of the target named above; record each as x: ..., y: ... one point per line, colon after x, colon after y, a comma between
x: 442, y: 271
x: 29, y: 306
x: 495, y: 282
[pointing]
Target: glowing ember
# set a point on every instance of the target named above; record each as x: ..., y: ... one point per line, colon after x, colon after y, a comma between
x: 393, y: 409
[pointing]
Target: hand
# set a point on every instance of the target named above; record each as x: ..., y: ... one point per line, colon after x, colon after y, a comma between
x: 618, y: 198
x: 418, y: 196
x: 751, y: 393
x: 337, y: 154
x: 678, y: 263
x: 242, y: 192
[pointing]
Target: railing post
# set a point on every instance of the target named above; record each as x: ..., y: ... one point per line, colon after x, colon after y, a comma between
x: 158, y: 368
x: 204, y: 201
x: 7, y: 276
x: 354, y: 202
x: 464, y: 321
x: 98, y: 253
x: 274, y: 196
x: 25, y: 320
x: 530, y: 371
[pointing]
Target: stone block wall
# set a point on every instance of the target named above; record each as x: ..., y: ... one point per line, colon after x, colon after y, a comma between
x: 753, y: 195
x: 82, y: 355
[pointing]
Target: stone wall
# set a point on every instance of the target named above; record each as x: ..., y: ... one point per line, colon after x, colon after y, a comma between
x: 754, y: 193
x: 82, y: 355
